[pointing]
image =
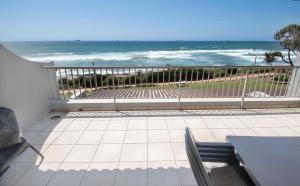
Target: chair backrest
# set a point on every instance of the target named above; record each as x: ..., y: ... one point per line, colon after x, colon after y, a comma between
x: 9, y: 129
x: 197, y: 166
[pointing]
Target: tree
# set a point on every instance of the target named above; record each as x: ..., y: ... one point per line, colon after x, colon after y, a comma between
x: 289, y: 39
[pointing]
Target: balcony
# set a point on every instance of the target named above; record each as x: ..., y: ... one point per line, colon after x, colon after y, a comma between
x: 133, y: 133
x: 133, y: 148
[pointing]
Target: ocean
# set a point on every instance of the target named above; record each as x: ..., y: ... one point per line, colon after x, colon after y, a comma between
x: 145, y: 53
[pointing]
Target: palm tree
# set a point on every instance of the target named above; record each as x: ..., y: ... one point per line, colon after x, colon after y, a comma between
x: 289, y: 39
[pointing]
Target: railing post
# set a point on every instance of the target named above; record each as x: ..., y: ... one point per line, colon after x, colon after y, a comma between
x: 179, y: 93
x: 292, y: 88
x: 115, y: 103
x: 244, y: 89
x: 114, y: 90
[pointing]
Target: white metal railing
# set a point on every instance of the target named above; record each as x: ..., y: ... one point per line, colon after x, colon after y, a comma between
x: 176, y: 82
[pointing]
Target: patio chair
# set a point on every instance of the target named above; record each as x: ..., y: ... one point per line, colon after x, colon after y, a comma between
x: 232, y: 174
x: 11, y: 144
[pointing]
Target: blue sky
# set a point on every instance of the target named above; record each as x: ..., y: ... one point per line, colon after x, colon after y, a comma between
x: 145, y: 19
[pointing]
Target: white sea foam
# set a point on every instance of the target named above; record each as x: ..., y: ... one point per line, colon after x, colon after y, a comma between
x: 244, y: 54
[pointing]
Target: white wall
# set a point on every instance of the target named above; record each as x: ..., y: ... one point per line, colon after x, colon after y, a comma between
x: 294, y: 85
x: 25, y: 87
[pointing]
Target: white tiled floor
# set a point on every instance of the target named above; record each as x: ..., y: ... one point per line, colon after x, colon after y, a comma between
x: 133, y: 148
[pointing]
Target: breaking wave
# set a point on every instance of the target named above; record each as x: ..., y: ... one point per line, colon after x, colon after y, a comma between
x: 243, y: 54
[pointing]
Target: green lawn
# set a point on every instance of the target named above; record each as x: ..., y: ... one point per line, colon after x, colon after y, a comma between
x: 233, y: 84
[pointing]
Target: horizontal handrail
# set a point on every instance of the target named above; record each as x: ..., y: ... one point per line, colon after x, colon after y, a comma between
x: 225, y: 66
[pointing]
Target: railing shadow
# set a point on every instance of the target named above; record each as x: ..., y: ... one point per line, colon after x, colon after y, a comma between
x: 94, y: 174
x: 172, y: 113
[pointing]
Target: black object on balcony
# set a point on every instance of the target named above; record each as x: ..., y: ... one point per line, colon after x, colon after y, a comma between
x: 11, y: 144
x: 232, y: 174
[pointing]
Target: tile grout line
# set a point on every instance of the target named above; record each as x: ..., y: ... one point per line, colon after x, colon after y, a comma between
x: 209, y: 130
x: 63, y: 130
x: 83, y: 177
x: 147, y: 154
x: 120, y: 155
x: 247, y: 127
x: 292, y: 128
x: 285, y: 127
x: 250, y: 128
x: 177, y: 171
x: 275, y: 131
x: 29, y: 167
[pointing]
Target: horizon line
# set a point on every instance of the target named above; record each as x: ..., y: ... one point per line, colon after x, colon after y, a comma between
x: 79, y: 40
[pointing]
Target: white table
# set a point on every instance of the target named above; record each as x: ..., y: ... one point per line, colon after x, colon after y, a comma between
x: 269, y: 160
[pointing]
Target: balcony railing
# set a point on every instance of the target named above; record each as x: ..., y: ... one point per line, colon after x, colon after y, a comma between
x: 176, y: 82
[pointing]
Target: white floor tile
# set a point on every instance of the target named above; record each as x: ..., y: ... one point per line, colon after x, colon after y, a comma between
x: 264, y: 132
x: 137, y: 124
x: 243, y: 132
x: 98, y: 125
x: 68, y: 138
x: 136, y: 136
x: 163, y: 174
x: 38, y: 175
x: 158, y: 136
x: 56, y: 153
x: 14, y: 173
x: 204, y: 135
x: 132, y: 173
x: 286, y: 121
x: 297, y: 120
x: 108, y: 153
x: 156, y: 124
x: 221, y: 134
x: 179, y: 151
x: 118, y: 124
x: 185, y: 173
x: 45, y: 138
x: 69, y: 174
x: 90, y: 138
x: 100, y: 174
x: 296, y: 129
x: 269, y: 122
x: 285, y: 131
x: 113, y: 137
x: 177, y: 135
x: 176, y: 123
x: 77, y: 125
x: 81, y: 153
x: 195, y: 123
x: 215, y: 123
x: 251, y: 121
x: 160, y: 152
x: 60, y: 125
x: 234, y: 123
x: 134, y: 152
